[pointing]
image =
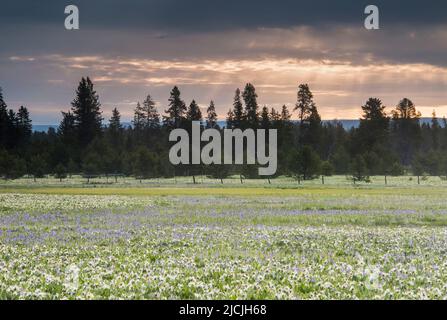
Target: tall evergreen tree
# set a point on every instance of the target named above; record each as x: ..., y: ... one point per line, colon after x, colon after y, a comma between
x: 115, y: 121
x: 12, y: 131
x: 211, y: 116
x: 238, y: 113
x: 406, y: 130
x: 87, y: 112
x: 435, y: 131
x: 24, y: 126
x: 275, y: 118
x: 67, y: 126
x: 373, y: 130
x: 176, y: 111
x: 310, y: 120
x: 285, y: 114
x: 230, y: 122
x: 265, y: 118
x: 151, y: 115
x: 305, y: 103
x: 194, y: 113
x: 4, y: 121
x: 115, y: 129
x: 138, y: 118
x: 251, y: 106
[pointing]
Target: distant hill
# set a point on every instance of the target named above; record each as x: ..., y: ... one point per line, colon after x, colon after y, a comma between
x: 347, y: 124
x: 43, y: 127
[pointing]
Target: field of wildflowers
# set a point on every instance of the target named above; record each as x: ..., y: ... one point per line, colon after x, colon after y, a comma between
x: 235, y: 242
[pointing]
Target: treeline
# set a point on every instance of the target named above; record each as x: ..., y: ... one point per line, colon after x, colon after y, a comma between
x: 383, y: 144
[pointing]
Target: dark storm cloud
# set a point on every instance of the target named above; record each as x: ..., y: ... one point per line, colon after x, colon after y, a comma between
x: 211, y: 47
x: 219, y: 15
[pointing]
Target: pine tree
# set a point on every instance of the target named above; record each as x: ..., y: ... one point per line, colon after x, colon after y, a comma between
x: 285, y: 114
x: 435, y: 131
x: 24, y: 126
x: 230, y: 122
x: 275, y: 118
x: 115, y: 129
x: 211, y: 116
x: 151, y: 115
x: 358, y: 168
x: 176, y: 111
x: 406, y: 130
x: 406, y: 110
x: 138, y: 118
x: 265, y: 118
x: 37, y: 167
x: 238, y: 113
x: 310, y: 120
x: 4, y: 121
x: 87, y: 112
x: 12, y: 132
x: 251, y: 106
x: 67, y: 127
x: 374, y: 126
x: 194, y: 113
x: 60, y: 172
x: 305, y: 103
x: 115, y: 121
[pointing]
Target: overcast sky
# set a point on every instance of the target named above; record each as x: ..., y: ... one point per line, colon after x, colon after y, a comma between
x: 209, y: 48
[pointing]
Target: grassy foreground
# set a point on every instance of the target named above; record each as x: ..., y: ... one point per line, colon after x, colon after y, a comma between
x: 212, y: 241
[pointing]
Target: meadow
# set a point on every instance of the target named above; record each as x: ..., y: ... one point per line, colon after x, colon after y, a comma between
x: 167, y: 239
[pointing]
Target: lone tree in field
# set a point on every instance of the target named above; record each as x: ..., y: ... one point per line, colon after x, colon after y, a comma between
x: 418, y: 168
x: 87, y: 113
x: 359, y: 169
x: 60, y: 172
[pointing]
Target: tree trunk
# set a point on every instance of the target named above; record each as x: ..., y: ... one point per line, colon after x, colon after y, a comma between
x: 419, y: 181
x: 116, y: 179
x: 193, y: 179
x: 221, y: 180
x: 240, y: 176
x: 269, y: 180
x: 386, y: 181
